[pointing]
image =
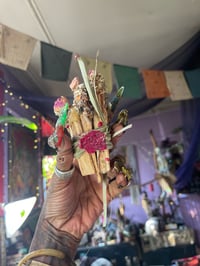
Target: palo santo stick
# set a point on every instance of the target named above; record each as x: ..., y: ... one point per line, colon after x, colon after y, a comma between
x: 80, y: 122
x: 103, y: 157
x: 87, y: 127
x: 98, y: 83
x: 85, y: 161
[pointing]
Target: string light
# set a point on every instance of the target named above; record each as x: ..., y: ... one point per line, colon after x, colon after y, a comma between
x: 18, y: 100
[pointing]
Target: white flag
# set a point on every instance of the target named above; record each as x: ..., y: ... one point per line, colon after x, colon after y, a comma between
x: 177, y: 86
x: 16, y: 48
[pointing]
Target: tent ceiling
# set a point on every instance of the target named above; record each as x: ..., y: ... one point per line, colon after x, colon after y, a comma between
x: 136, y: 33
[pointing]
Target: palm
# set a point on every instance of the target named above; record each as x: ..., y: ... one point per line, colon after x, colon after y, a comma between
x: 82, y: 193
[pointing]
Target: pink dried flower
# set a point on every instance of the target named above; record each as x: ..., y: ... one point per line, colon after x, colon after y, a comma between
x: 59, y: 104
x: 93, y: 141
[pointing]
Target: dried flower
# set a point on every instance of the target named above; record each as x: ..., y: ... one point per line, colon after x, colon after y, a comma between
x: 93, y: 141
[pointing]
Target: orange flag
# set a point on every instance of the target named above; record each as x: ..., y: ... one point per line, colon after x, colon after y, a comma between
x: 155, y: 84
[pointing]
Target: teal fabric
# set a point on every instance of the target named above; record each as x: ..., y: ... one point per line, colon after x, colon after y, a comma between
x: 55, y: 62
x: 128, y: 77
x: 193, y: 79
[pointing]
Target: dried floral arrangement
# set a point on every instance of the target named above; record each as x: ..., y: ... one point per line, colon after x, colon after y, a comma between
x: 88, y: 122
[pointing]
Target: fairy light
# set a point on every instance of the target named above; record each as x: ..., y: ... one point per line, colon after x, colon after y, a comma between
x: 18, y: 100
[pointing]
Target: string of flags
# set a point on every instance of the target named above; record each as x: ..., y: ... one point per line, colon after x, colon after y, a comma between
x: 16, y: 50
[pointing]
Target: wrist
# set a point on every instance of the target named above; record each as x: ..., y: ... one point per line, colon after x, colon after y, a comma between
x: 62, y: 241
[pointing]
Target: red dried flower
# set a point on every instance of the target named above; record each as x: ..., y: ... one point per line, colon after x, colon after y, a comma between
x: 93, y: 141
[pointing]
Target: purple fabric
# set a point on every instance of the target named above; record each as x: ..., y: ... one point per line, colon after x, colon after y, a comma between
x: 185, y: 171
x: 190, y: 206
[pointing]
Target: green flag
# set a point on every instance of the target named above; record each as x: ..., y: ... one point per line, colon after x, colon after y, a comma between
x: 55, y: 62
x: 193, y: 80
x: 128, y: 77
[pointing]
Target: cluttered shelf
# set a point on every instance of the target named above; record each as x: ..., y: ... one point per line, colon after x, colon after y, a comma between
x: 149, y: 253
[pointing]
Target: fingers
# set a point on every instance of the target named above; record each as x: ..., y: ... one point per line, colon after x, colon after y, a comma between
x: 119, y: 177
x: 120, y: 126
x: 66, y: 144
x: 115, y: 128
x: 117, y: 185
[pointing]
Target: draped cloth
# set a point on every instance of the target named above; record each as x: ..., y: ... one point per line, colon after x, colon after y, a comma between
x: 190, y: 111
x: 184, y: 58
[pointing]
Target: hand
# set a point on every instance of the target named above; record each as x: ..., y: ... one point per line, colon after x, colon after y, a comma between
x: 73, y: 205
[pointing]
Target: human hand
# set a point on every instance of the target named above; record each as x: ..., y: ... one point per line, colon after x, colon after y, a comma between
x: 75, y: 203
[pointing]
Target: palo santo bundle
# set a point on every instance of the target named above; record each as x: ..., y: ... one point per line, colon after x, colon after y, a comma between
x: 87, y: 121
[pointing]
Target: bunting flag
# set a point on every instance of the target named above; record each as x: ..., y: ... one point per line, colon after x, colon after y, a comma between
x: 177, y: 85
x: 103, y: 67
x: 55, y: 62
x: 155, y: 84
x: 128, y: 77
x: 193, y: 80
x: 16, y: 48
